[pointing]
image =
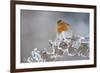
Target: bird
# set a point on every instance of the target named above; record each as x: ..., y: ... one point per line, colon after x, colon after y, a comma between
x: 62, y: 26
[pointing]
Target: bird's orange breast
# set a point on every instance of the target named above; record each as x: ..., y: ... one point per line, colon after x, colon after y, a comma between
x: 62, y: 27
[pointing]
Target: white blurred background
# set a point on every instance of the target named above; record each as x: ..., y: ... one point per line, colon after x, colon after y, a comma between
x: 5, y: 36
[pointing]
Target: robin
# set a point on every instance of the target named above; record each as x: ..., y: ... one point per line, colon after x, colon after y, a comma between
x: 62, y: 26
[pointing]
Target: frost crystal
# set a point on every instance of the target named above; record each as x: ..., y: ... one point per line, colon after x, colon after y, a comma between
x: 62, y: 44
